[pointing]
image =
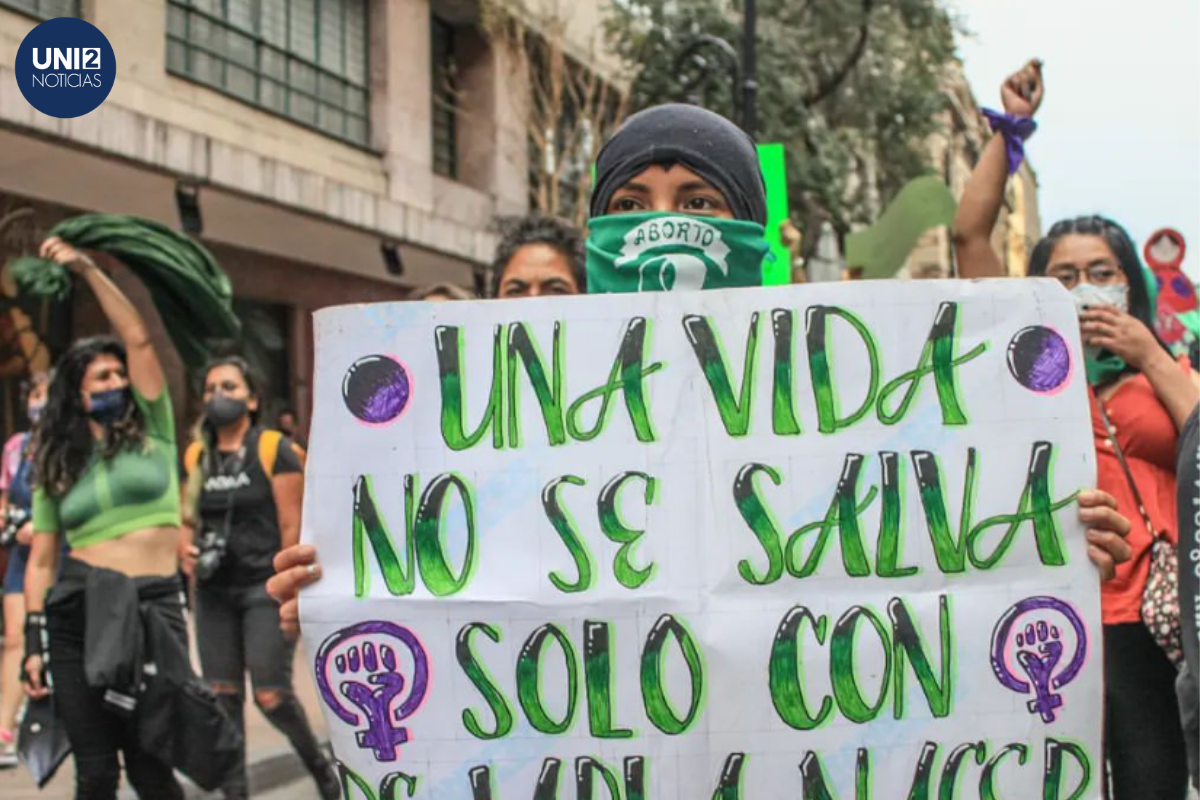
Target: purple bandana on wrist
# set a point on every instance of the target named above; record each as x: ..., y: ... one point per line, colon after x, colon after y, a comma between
x: 1015, y: 131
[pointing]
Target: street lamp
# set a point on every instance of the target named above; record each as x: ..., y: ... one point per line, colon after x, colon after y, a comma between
x: 706, y: 52
x: 749, y: 68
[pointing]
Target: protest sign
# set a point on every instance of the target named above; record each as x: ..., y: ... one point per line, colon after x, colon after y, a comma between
x: 794, y: 542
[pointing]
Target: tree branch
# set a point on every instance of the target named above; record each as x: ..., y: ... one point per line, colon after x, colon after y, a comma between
x: 833, y: 80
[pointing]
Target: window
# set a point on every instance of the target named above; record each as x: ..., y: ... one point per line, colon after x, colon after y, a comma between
x: 445, y: 100
x: 44, y: 9
x: 303, y: 59
x: 265, y: 345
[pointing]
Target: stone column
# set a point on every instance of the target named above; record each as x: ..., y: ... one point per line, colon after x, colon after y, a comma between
x: 401, y: 98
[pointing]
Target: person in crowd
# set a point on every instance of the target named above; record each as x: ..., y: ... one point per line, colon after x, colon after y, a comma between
x: 680, y: 159
x: 106, y: 479
x: 538, y: 257
x: 685, y: 160
x: 244, y: 493
x: 16, y: 501
x: 440, y: 292
x: 1140, y: 397
x: 1187, y: 501
x: 288, y: 423
x: 677, y: 160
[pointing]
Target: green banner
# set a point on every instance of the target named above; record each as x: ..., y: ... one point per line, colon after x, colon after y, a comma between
x: 774, y: 170
x: 881, y: 249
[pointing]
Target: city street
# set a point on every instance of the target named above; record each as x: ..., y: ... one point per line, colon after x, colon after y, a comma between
x: 300, y: 790
x: 265, y: 744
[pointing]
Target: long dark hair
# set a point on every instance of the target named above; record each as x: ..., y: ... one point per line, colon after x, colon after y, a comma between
x: 1122, y: 246
x: 1118, y: 240
x: 65, y: 441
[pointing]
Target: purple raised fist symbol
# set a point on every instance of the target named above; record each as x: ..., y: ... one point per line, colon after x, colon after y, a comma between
x: 366, y: 663
x: 1037, y: 649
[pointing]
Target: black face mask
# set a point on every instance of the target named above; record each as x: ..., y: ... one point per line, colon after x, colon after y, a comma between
x: 222, y: 410
x: 110, y: 406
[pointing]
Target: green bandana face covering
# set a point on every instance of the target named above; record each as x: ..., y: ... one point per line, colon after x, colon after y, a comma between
x: 1104, y: 367
x: 659, y: 252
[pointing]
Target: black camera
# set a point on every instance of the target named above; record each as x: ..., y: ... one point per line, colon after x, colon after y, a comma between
x: 14, y: 518
x: 212, y: 553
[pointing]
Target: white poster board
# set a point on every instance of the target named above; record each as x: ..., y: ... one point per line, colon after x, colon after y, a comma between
x: 758, y: 543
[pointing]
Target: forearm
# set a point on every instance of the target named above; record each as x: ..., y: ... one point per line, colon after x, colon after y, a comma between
x: 145, y: 373
x: 289, y: 500
x: 978, y: 211
x: 289, y: 535
x: 121, y: 313
x: 40, y: 571
x: 187, y: 538
x: 1175, y: 388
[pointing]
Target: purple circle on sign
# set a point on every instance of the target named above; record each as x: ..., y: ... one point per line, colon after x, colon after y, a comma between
x: 1039, y: 359
x: 376, y: 389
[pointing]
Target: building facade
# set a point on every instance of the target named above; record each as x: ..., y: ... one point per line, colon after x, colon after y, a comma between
x: 326, y: 151
x: 953, y: 153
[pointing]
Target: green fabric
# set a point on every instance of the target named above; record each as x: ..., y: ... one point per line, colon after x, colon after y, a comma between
x: 1103, y: 368
x: 134, y: 490
x: 191, y: 292
x: 657, y: 252
x: 1107, y: 367
x: 881, y: 249
x: 778, y: 270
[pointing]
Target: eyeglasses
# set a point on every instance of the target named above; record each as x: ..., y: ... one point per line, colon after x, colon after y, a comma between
x: 1097, y: 274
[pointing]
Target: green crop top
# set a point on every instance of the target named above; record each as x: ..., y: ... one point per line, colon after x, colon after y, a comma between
x: 133, y: 490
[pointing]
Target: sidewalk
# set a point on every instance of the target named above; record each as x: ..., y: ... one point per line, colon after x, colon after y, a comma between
x: 271, y: 762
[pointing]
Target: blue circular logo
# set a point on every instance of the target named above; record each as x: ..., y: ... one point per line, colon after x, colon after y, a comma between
x: 65, y: 67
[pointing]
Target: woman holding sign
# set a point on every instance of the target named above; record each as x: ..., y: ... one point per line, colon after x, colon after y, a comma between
x: 682, y: 160
x: 1140, y: 398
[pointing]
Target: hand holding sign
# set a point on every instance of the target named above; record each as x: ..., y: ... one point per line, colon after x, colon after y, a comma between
x: 802, y: 590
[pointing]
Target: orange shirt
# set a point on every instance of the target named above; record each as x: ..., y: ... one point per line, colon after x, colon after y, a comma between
x: 1148, y: 438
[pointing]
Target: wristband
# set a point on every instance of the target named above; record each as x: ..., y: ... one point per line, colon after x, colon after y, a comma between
x: 1015, y: 131
x: 35, y: 643
x: 35, y: 634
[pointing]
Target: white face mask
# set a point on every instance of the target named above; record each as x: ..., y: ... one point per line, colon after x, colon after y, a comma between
x: 1089, y: 294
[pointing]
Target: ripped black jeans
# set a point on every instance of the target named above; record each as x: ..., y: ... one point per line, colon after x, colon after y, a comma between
x: 237, y: 631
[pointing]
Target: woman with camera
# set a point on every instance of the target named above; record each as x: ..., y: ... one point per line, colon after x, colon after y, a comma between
x: 16, y: 532
x: 244, y: 493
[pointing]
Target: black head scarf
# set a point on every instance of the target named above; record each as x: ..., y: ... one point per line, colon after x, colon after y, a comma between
x: 706, y: 143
